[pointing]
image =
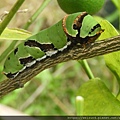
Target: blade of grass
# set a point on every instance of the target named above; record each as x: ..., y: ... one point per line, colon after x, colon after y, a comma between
x: 86, y: 68
x: 10, y: 15
x: 36, y: 14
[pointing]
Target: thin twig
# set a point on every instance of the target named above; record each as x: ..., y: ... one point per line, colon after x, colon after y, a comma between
x: 7, y: 12
x: 74, y: 53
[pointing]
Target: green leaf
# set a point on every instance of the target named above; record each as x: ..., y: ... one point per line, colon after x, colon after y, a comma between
x: 98, y: 100
x: 110, y: 31
x: 14, y: 34
x: 112, y: 60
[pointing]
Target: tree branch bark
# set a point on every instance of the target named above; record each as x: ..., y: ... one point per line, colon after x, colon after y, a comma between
x: 75, y: 53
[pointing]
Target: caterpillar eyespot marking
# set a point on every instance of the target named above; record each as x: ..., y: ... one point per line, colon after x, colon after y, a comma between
x: 75, y: 29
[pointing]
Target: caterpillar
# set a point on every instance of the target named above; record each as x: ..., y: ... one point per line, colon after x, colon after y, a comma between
x: 78, y: 28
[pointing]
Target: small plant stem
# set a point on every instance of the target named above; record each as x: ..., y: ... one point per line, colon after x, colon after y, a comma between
x: 36, y: 14
x: 10, y: 15
x: 87, y: 68
x: 79, y: 105
x: 75, y: 53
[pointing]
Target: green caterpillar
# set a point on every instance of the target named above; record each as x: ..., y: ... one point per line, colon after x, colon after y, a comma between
x: 77, y: 28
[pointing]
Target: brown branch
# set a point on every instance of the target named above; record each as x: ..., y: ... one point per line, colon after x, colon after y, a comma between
x: 75, y: 53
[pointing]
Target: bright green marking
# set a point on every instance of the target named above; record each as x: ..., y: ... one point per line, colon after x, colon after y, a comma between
x: 69, y: 24
x: 12, y: 64
x: 21, y: 53
x: 88, y: 23
x: 34, y: 52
